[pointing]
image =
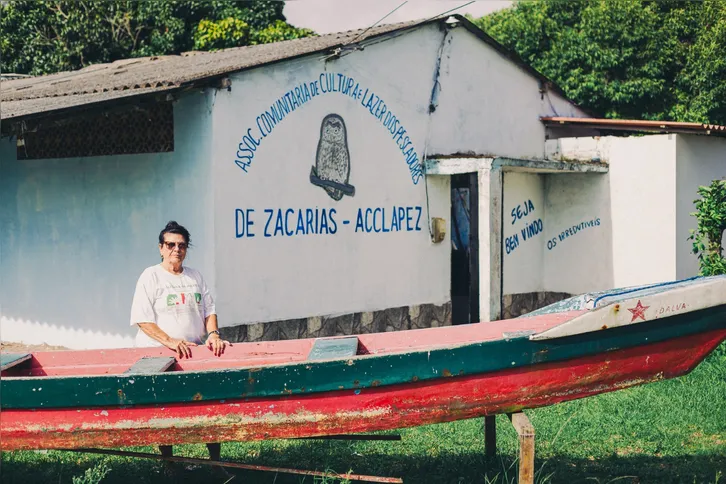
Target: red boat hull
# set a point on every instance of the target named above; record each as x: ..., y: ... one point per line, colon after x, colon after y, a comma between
x: 351, y: 411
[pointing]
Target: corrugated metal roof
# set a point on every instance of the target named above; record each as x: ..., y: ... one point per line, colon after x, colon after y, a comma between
x: 102, y: 83
x: 634, y: 125
x: 6, y: 76
x: 138, y: 76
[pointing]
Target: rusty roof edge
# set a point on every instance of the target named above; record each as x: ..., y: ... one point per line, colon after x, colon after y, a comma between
x: 633, y: 124
x: 137, y: 86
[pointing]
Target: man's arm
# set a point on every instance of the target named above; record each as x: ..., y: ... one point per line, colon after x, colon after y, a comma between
x: 210, y: 322
x: 182, y: 347
x: 214, y: 342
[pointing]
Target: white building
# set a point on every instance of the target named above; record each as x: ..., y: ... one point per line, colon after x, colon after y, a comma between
x: 317, y: 178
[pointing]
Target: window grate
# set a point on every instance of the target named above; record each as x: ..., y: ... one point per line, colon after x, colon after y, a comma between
x: 147, y: 130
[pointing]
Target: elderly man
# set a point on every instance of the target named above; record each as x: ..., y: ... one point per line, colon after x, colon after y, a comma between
x: 173, y: 307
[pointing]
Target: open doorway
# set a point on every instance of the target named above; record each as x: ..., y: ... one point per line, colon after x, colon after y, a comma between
x: 464, y: 248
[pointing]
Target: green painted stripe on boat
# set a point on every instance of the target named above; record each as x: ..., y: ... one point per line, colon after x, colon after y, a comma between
x: 360, y: 372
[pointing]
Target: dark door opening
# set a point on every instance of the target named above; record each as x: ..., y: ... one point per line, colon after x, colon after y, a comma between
x: 464, y: 248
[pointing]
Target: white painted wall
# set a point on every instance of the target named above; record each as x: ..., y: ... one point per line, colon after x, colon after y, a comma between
x: 643, y: 204
x: 635, y: 241
x: 700, y: 160
x: 524, y: 207
x: 627, y: 227
x: 76, y: 233
x: 488, y: 105
x: 264, y: 278
x: 592, y: 149
x: 577, y: 246
x: 652, y: 186
x: 573, y: 252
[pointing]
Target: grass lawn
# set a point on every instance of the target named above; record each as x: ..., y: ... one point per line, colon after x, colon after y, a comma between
x: 667, y: 432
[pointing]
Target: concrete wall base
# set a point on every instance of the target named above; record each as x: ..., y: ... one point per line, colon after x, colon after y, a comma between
x: 392, y: 319
x: 515, y: 305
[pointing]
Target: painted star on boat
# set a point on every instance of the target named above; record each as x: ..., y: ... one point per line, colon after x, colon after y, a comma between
x: 638, y: 311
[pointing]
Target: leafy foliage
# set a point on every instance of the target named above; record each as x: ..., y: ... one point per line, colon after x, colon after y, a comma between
x: 711, y: 216
x: 703, y: 83
x: 45, y: 36
x: 642, y: 59
x: 278, y: 31
x: 93, y: 475
x: 232, y: 32
x: 228, y: 32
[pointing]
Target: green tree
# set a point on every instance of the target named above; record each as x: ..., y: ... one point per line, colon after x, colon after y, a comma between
x: 646, y: 59
x: 45, y: 36
x: 278, y: 31
x: 711, y: 218
x: 702, y: 84
x: 232, y: 32
x: 228, y: 32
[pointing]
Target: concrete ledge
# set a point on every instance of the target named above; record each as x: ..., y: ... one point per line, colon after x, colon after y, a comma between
x: 515, y: 305
x: 549, y: 166
x: 445, y: 165
x: 456, y: 165
x: 393, y: 319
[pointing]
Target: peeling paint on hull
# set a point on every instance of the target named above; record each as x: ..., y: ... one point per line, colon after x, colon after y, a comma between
x: 352, y: 411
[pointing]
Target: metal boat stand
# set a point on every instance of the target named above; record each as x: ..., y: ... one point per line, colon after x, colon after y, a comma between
x: 525, y: 435
x: 168, y: 457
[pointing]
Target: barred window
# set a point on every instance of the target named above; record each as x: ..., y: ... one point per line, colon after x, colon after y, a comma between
x: 148, y: 129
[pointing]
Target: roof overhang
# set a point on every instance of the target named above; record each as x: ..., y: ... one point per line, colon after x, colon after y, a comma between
x: 564, y: 127
x: 448, y: 165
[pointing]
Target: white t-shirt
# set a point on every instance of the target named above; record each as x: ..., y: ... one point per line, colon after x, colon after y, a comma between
x: 177, y: 303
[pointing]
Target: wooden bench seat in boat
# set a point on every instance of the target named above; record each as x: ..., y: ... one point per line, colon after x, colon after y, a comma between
x: 329, y: 348
x: 150, y: 364
x: 9, y: 360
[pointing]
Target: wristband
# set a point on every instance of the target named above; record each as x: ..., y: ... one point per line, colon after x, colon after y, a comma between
x: 212, y: 332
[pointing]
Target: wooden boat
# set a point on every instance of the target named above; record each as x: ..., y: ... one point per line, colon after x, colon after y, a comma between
x: 583, y: 346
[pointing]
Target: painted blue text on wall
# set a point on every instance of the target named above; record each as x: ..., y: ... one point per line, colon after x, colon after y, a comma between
x: 288, y: 222
x: 570, y: 231
x: 530, y: 230
x: 327, y: 82
x: 522, y: 210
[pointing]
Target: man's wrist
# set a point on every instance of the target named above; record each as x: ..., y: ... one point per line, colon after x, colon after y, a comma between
x: 214, y: 331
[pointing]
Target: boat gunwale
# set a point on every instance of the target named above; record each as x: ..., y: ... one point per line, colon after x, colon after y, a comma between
x: 361, y: 357
x: 254, y: 369
x: 276, y: 383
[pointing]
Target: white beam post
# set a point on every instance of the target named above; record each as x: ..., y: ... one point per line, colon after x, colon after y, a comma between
x: 490, y: 242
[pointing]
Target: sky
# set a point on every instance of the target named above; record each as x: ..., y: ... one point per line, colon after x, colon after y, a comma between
x: 325, y: 16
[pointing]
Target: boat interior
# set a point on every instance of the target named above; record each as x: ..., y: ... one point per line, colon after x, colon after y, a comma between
x: 266, y: 353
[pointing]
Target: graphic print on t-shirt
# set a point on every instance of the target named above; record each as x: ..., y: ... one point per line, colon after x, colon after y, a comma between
x: 183, y: 299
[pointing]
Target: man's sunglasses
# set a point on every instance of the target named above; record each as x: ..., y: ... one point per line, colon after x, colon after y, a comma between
x: 171, y: 245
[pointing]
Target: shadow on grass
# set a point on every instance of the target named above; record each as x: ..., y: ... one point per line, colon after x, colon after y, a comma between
x: 466, y: 467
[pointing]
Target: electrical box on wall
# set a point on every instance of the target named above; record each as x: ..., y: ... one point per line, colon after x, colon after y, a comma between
x: 438, y: 229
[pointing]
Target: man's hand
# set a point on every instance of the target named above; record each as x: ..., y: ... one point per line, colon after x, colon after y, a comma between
x: 182, y: 347
x: 217, y: 344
